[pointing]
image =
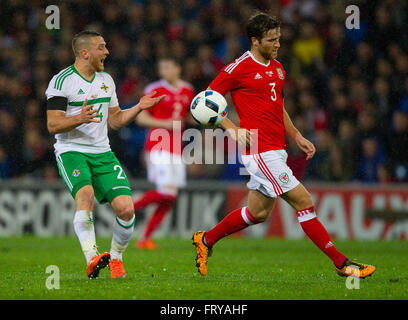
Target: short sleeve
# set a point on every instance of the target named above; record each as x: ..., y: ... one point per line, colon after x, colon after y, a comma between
x: 224, y: 82
x: 55, y: 89
x: 114, y: 102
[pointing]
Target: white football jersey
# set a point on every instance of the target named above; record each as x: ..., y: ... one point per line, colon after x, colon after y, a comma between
x: 100, y: 92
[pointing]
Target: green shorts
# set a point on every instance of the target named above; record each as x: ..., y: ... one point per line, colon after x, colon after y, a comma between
x: 102, y: 171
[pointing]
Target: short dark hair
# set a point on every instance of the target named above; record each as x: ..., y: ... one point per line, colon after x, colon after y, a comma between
x: 82, y: 37
x: 259, y: 24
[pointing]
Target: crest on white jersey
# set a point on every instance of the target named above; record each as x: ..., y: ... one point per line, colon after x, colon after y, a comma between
x: 104, y: 87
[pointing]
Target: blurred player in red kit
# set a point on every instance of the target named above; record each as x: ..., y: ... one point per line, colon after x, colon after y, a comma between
x: 163, y: 146
x: 255, y: 81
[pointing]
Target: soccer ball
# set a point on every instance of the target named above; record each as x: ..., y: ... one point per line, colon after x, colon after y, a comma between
x: 209, y: 108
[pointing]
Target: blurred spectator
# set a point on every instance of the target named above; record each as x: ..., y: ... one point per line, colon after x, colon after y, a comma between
x: 315, y: 168
x: 6, y: 169
x: 35, y: 153
x: 397, y: 145
x: 384, y: 173
x: 348, y: 142
x: 12, y: 140
x: 371, y: 158
x: 340, y: 110
x: 308, y: 48
x: 338, y: 167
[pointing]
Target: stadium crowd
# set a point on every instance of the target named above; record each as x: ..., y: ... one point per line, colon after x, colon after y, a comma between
x: 346, y: 89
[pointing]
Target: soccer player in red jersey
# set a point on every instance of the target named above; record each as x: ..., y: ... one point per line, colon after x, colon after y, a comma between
x: 163, y: 147
x: 255, y: 81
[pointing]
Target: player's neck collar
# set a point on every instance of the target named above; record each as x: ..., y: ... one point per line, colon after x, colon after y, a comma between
x: 78, y: 73
x: 253, y: 58
x: 171, y: 87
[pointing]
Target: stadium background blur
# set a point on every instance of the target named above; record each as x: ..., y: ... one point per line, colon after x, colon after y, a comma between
x: 347, y: 90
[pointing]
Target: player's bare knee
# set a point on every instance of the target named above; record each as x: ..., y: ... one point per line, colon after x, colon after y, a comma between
x: 85, y: 197
x: 305, y: 201
x: 125, y: 212
x: 261, y: 215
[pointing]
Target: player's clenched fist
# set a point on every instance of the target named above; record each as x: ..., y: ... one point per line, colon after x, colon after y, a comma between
x: 88, y: 114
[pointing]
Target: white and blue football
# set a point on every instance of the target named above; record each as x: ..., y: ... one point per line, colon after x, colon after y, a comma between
x: 209, y: 108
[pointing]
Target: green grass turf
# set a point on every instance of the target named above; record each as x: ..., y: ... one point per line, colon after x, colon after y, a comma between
x: 240, y: 268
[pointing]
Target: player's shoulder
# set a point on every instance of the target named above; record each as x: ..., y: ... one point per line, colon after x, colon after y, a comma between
x: 239, y: 64
x: 62, y: 78
x: 154, y: 86
x: 104, y: 76
x: 277, y: 63
x: 279, y: 68
x: 186, y: 85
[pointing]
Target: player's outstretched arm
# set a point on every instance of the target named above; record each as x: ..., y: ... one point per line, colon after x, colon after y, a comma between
x: 144, y: 119
x: 305, y: 145
x: 57, y: 122
x: 118, y: 118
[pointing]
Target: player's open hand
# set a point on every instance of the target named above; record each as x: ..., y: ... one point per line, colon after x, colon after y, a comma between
x: 149, y: 100
x: 88, y: 114
x: 306, y: 146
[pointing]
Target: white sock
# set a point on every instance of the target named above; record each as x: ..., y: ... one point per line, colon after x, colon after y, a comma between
x: 84, y: 229
x: 122, y: 233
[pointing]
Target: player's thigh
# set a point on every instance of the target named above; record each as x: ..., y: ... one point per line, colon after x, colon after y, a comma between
x: 260, y: 205
x: 123, y: 207
x: 299, y: 198
x: 108, y: 178
x: 74, y: 171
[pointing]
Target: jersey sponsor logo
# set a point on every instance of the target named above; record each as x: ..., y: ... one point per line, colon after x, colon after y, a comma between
x: 280, y: 73
x: 269, y: 73
x: 258, y: 76
x: 76, y: 173
x: 81, y: 91
x: 283, y: 177
x: 104, y: 87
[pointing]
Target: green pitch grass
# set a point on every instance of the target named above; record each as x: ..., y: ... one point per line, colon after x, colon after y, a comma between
x: 242, y: 269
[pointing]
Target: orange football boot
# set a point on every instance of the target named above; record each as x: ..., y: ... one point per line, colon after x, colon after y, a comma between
x: 354, y: 269
x: 117, y: 269
x: 148, y: 244
x: 96, y: 264
x: 203, y: 252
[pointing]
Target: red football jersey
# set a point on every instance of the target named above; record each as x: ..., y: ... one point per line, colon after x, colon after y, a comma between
x: 256, y: 90
x: 175, y: 105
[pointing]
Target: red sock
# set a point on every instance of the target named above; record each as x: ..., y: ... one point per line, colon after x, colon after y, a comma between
x: 158, y: 215
x: 147, y: 198
x: 233, y: 222
x: 318, y: 234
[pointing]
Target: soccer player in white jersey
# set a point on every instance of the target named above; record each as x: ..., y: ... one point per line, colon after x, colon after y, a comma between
x: 81, y: 103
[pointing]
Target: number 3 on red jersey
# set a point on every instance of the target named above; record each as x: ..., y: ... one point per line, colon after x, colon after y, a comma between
x: 273, y: 96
